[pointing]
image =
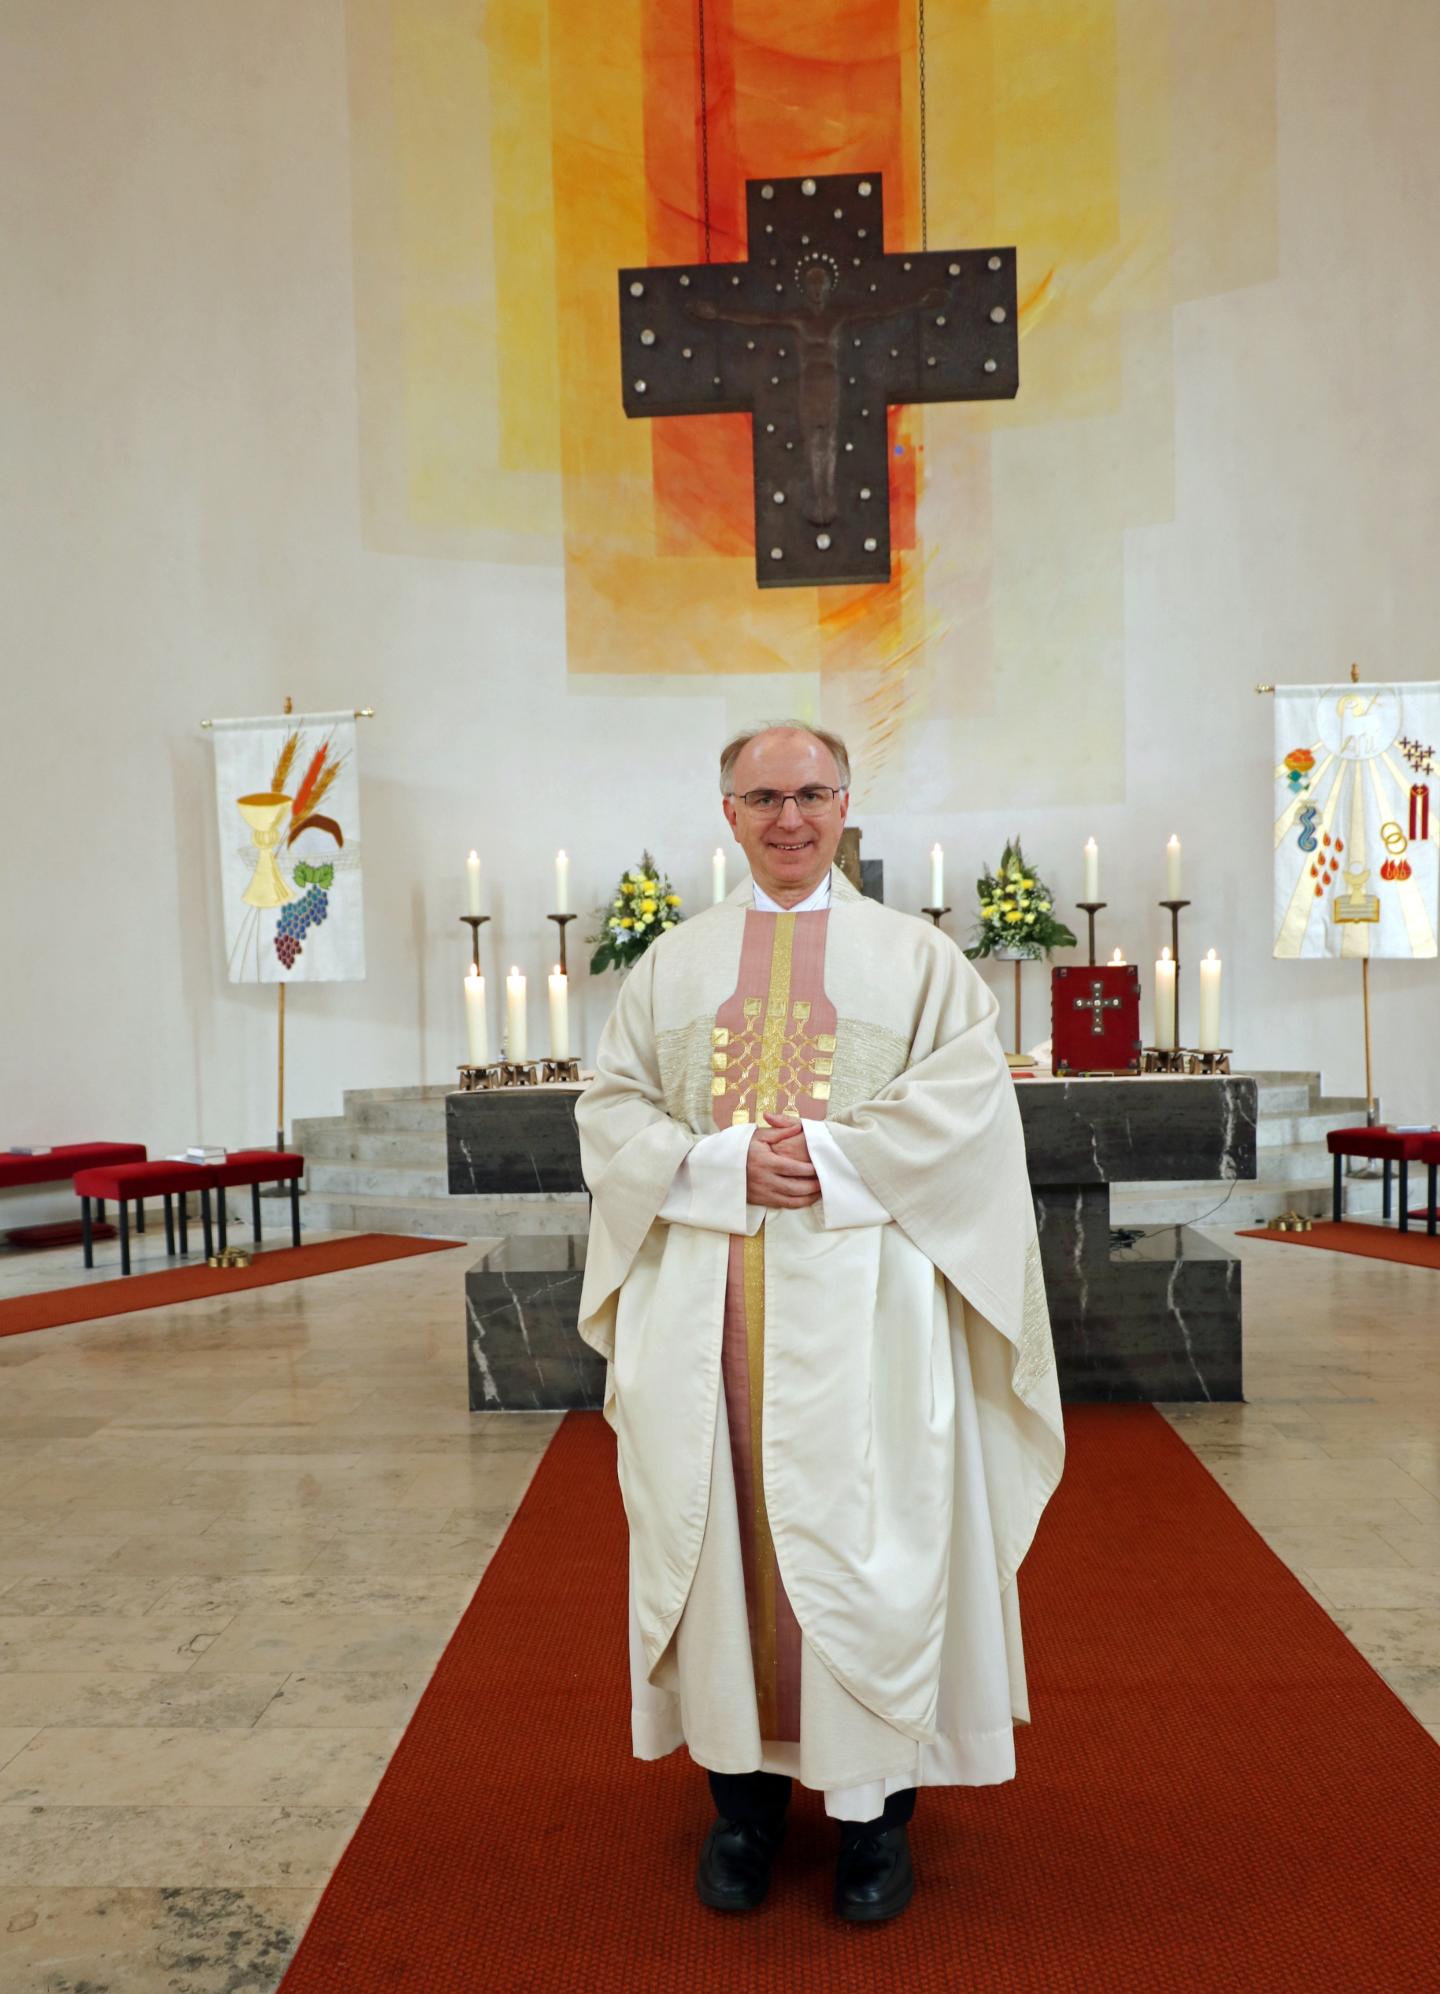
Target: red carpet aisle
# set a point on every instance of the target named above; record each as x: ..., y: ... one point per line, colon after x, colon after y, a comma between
x: 187, y: 1284
x: 1375, y: 1242
x: 1217, y: 1791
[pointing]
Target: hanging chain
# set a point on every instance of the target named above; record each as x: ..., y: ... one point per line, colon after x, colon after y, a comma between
x: 704, y: 133
x: 924, y: 191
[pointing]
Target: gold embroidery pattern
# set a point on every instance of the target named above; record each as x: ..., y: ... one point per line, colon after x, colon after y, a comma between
x: 854, y: 1063
x: 1035, y: 1352
x: 774, y: 1058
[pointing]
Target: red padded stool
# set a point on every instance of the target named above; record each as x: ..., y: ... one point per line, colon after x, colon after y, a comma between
x: 64, y: 1160
x: 134, y: 1181
x: 1391, y: 1147
x: 256, y: 1167
x: 1430, y: 1156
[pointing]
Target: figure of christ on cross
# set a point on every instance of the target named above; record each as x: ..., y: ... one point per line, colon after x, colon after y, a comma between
x: 814, y: 336
x: 817, y: 325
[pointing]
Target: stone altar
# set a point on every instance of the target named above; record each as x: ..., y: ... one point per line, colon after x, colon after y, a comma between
x: 1151, y: 1313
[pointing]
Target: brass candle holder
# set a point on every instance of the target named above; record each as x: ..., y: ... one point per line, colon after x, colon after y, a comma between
x: 1184, y: 1059
x: 936, y: 914
x: 560, y: 921
x: 558, y: 1069
x: 1090, y: 908
x: 475, y: 1079
x: 1175, y: 906
x: 475, y: 922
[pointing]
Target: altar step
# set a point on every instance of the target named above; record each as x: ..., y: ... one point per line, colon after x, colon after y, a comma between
x: 381, y: 1167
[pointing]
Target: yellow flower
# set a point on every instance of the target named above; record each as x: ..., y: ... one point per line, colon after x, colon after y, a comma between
x: 1027, y: 882
x: 647, y: 906
x: 626, y: 922
x: 1044, y: 906
x: 1012, y: 917
x: 672, y: 900
x: 667, y: 924
x: 626, y: 887
x: 617, y: 903
x: 986, y: 912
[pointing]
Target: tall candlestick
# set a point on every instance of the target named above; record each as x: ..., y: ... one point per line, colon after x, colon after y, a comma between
x: 559, y: 1014
x: 472, y: 871
x: 515, y: 1015
x: 1092, y: 870
x: 562, y: 883
x: 1165, y: 1001
x: 1172, y: 869
x: 476, y: 1034
x: 1209, y: 1038
x: 717, y: 874
x: 937, y: 876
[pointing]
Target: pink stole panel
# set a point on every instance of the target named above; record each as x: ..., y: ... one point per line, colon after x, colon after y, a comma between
x: 773, y: 1051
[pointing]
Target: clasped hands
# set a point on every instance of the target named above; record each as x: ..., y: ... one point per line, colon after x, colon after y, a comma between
x: 778, y: 1170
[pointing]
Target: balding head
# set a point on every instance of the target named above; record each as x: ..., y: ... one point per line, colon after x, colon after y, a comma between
x: 790, y: 846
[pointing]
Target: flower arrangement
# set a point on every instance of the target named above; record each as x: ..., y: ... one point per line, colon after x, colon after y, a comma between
x: 645, y: 905
x: 1016, y: 910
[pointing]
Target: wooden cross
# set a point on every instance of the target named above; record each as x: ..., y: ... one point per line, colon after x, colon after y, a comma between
x: 1095, y: 1003
x: 813, y: 336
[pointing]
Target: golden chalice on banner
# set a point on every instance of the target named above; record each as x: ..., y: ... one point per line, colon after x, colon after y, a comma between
x: 265, y: 814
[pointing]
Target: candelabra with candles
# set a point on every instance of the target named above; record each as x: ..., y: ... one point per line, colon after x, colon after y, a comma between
x: 475, y: 922
x: 937, y: 914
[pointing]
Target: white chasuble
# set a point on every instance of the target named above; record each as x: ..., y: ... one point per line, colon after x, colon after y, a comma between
x: 835, y: 1441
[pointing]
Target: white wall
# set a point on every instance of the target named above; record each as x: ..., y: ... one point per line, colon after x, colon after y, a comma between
x: 181, y: 534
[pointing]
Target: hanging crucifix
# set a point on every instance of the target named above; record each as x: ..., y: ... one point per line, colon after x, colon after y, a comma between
x: 813, y: 336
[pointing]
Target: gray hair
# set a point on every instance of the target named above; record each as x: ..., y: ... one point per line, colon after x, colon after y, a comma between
x: 730, y: 753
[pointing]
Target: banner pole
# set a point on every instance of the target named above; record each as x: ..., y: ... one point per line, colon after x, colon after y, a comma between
x: 1369, y: 1082
x: 280, y: 1076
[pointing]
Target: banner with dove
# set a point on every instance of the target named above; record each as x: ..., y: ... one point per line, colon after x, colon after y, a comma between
x: 288, y: 799
x: 1357, y: 829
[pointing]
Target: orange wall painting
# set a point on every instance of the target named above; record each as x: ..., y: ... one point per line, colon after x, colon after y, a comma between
x: 509, y: 156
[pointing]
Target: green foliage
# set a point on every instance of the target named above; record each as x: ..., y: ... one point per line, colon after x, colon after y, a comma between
x: 644, y: 907
x: 1016, y: 910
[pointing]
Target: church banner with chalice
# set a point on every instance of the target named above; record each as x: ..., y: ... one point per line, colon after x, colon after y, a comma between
x: 1356, y: 827
x: 289, y: 813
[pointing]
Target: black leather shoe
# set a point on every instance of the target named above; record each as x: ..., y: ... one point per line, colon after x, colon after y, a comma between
x: 873, y: 1878
x: 734, y: 1872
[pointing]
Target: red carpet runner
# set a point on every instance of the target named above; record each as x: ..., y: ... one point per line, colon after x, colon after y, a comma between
x: 1375, y: 1242
x: 1216, y: 1793
x: 187, y: 1284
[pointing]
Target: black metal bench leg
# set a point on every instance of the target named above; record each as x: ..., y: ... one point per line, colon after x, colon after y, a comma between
x: 205, y: 1222
x: 1404, y: 1196
x: 1335, y: 1203
x: 255, y: 1211
x: 294, y: 1211
x: 1385, y: 1195
x: 222, y: 1216
x: 139, y: 1215
x: 169, y: 1226
x: 124, y: 1235
x: 1430, y: 1215
x: 184, y: 1221
x: 100, y: 1210
x: 86, y: 1233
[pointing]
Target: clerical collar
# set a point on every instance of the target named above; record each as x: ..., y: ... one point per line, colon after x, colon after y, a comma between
x: 810, y: 905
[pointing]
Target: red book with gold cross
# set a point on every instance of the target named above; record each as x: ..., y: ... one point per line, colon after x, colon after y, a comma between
x: 1095, y: 1018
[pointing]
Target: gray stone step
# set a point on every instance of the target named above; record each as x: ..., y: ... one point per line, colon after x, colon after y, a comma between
x: 446, y: 1218
x: 342, y: 1142
x: 384, y: 1180
x: 1250, y: 1203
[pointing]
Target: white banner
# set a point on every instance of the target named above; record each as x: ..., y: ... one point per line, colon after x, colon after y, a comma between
x: 288, y: 798
x: 1357, y: 828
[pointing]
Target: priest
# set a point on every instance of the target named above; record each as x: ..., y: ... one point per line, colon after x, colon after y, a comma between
x: 814, y: 1273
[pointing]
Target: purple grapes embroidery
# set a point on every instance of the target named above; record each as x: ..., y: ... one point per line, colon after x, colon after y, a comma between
x: 306, y: 913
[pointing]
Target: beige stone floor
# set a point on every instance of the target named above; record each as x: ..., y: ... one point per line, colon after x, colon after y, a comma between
x: 236, y: 1537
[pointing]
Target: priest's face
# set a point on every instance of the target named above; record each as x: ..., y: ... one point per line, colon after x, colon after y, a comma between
x: 789, y: 850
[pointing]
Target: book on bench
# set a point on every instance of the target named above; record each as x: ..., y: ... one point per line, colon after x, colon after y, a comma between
x: 30, y: 1149
x: 204, y: 1152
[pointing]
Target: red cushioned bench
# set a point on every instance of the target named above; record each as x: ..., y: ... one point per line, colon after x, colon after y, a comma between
x: 60, y: 1165
x: 132, y: 1182
x: 256, y: 1167
x: 1392, y: 1147
x: 1429, y: 1156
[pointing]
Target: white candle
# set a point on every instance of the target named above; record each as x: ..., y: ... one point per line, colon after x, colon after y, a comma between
x: 562, y: 885
x: 1209, y: 1039
x: 1118, y: 960
x: 514, y: 1015
x: 475, y: 1032
x: 559, y: 1014
x: 472, y: 871
x: 717, y: 874
x: 1165, y: 1001
x: 1172, y: 870
x: 1092, y: 870
x: 937, y: 876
